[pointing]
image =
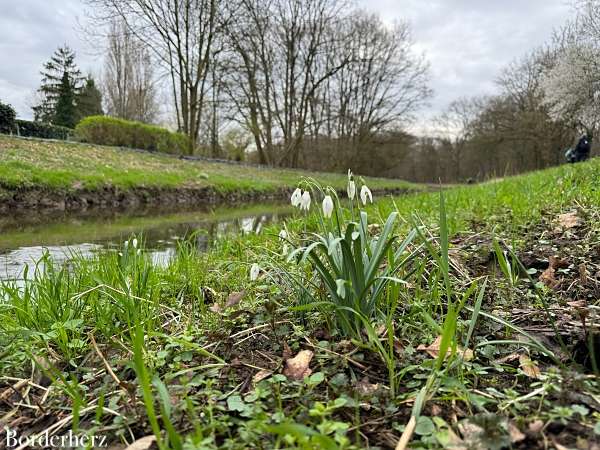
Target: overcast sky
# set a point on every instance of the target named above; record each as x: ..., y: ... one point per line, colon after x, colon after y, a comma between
x: 467, y: 42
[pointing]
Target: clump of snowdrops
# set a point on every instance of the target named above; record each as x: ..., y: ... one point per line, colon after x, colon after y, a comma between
x: 357, y: 267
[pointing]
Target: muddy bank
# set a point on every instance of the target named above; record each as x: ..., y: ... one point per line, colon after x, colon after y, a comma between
x: 110, y: 197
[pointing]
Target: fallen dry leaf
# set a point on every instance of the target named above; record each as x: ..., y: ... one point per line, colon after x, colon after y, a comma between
x: 436, y: 410
x: 398, y: 347
x: 536, y: 426
x: 529, y: 367
x: 569, y: 220
x: 142, y: 444
x: 558, y: 263
x: 365, y: 388
x: 583, y: 273
x: 297, y: 368
x: 469, y: 430
x: 261, y: 375
x: 515, y: 433
x: 234, y: 298
x: 547, y: 277
x: 433, y: 350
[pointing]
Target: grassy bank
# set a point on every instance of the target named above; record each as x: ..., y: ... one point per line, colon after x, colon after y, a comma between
x: 474, y: 332
x: 66, y: 165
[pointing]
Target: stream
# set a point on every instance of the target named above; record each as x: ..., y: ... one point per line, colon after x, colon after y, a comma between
x: 24, y: 239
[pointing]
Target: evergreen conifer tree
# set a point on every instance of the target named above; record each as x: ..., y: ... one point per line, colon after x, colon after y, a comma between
x: 65, y: 113
x: 60, y: 76
x: 89, y: 100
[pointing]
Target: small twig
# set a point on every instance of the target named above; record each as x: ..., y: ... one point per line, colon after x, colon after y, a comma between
x: 113, y: 375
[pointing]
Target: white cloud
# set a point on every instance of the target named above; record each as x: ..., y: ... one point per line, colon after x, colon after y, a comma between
x: 35, y: 28
x: 468, y: 42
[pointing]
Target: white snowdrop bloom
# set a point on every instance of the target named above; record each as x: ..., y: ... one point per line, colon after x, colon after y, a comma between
x: 351, y: 189
x: 283, y: 235
x: 135, y: 243
x: 254, y: 272
x: 327, y: 206
x: 285, y: 250
x: 341, y: 288
x: 305, y: 201
x: 296, y: 197
x: 365, y: 194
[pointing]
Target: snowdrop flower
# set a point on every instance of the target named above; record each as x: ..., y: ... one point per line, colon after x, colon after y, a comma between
x: 327, y: 206
x: 135, y: 243
x: 351, y: 189
x: 296, y: 197
x: 365, y: 194
x: 254, y: 272
x: 341, y: 288
x: 283, y: 235
x: 285, y: 250
x: 126, y: 244
x: 305, y: 201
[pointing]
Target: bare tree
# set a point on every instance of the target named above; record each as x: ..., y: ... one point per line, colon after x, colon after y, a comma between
x: 276, y: 46
x: 180, y: 33
x: 455, y: 130
x: 129, y: 82
x: 381, y: 87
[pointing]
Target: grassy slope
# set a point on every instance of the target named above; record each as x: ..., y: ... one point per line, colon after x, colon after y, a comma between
x: 214, y: 391
x: 61, y: 165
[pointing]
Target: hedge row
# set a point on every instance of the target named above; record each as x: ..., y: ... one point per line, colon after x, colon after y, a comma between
x: 28, y: 128
x: 105, y: 130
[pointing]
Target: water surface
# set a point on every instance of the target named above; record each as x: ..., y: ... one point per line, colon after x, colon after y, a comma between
x: 25, y: 238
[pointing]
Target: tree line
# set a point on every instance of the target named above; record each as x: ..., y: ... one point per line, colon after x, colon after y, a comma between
x: 320, y: 84
x: 273, y: 76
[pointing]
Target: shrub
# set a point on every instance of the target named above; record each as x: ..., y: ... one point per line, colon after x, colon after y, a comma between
x: 42, y: 130
x: 7, y: 118
x: 105, y: 130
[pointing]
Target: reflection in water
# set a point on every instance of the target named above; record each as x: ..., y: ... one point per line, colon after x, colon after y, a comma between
x: 23, y: 246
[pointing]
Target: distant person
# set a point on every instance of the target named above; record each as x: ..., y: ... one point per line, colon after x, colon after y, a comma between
x: 582, y: 150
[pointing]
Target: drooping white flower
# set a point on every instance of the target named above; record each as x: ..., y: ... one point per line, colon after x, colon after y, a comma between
x: 365, y: 194
x: 351, y: 185
x: 296, y: 197
x: 126, y: 244
x: 305, y: 201
x: 327, y: 206
x: 135, y: 243
x: 341, y: 288
x: 283, y: 235
x: 351, y: 189
x: 254, y: 272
